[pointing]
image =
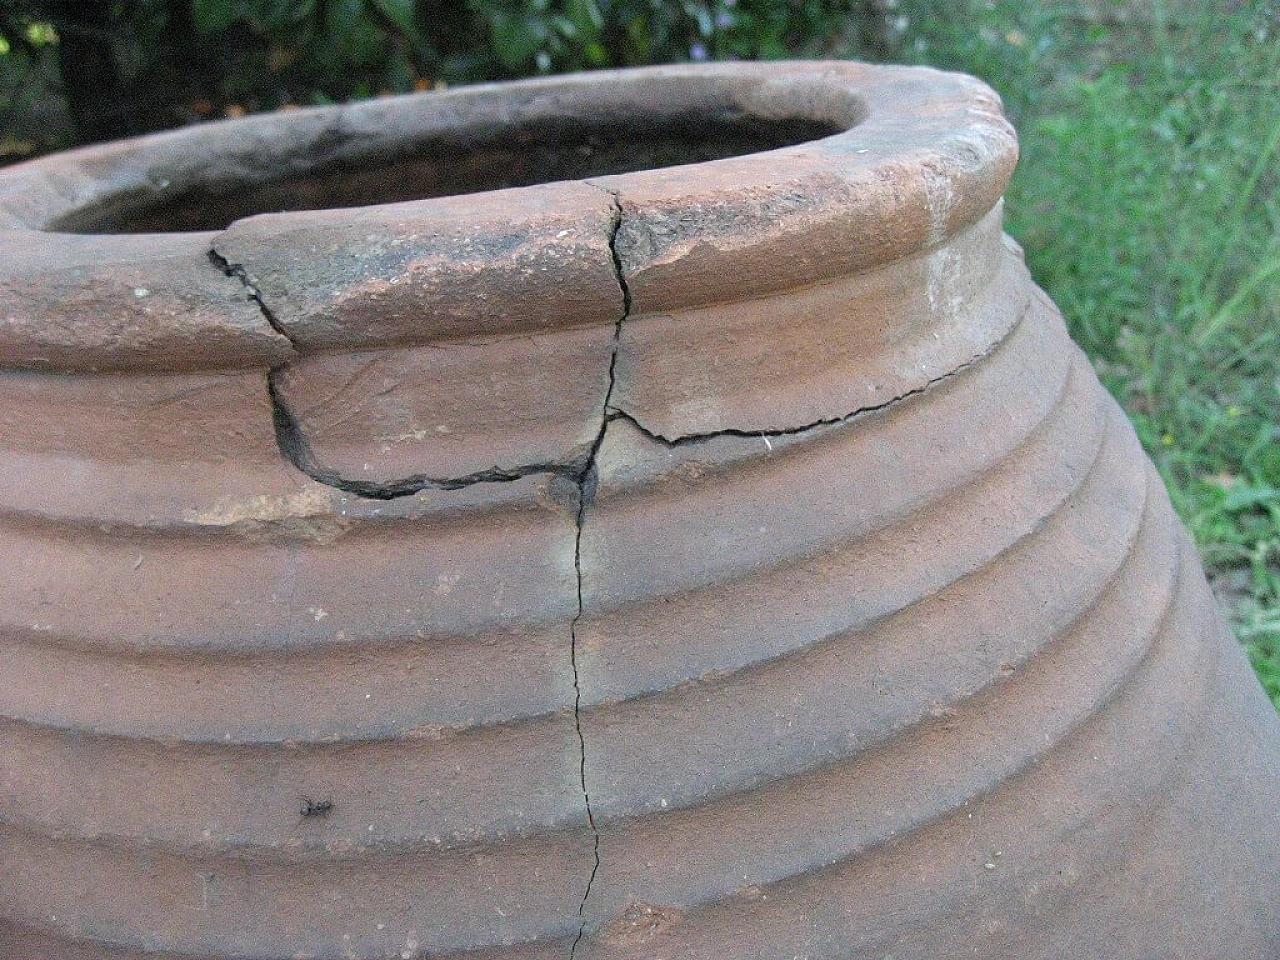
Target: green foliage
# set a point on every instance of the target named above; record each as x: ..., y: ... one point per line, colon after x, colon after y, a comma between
x: 546, y: 36
x: 173, y: 61
x: 261, y: 54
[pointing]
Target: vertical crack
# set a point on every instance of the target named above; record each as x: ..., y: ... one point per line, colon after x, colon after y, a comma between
x: 293, y: 446
x: 587, y: 482
x: 238, y: 272
x: 577, y: 718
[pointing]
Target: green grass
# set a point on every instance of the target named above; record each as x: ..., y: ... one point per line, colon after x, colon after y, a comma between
x: 1148, y: 201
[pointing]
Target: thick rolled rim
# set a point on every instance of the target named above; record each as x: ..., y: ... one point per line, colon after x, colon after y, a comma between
x: 918, y: 156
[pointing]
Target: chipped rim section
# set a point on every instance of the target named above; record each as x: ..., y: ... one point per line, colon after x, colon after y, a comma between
x: 924, y: 154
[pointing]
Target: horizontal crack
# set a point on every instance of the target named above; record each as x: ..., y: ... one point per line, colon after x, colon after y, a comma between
x: 297, y: 450
x: 688, y: 439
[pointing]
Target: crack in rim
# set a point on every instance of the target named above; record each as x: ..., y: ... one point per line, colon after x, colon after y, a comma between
x: 587, y: 482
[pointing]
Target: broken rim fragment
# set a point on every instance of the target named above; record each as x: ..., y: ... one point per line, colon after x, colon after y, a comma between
x: 626, y: 515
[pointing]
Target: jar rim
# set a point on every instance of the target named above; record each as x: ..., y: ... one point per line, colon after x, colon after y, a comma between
x: 911, y: 156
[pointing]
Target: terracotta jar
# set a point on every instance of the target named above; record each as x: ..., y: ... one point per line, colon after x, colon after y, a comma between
x: 637, y: 515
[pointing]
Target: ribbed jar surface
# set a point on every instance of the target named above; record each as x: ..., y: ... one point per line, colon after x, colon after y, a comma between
x: 639, y: 515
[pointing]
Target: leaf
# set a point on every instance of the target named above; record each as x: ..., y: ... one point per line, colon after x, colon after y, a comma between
x: 399, y: 12
x: 1243, y: 496
x: 700, y: 14
x: 1225, y: 314
x: 585, y: 15
x: 595, y: 54
x: 353, y: 35
x: 275, y: 16
x: 211, y: 16
x: 516, y: 40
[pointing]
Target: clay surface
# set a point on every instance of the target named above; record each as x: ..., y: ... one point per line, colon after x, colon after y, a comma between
x: 475, y: 525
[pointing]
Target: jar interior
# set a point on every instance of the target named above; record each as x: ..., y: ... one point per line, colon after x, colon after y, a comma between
x: 475, y: 158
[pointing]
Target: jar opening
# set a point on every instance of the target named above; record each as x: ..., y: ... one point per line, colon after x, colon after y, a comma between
x: 480, y: 157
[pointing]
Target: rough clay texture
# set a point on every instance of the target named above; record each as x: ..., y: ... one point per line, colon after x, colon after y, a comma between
x: 731, y: 560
